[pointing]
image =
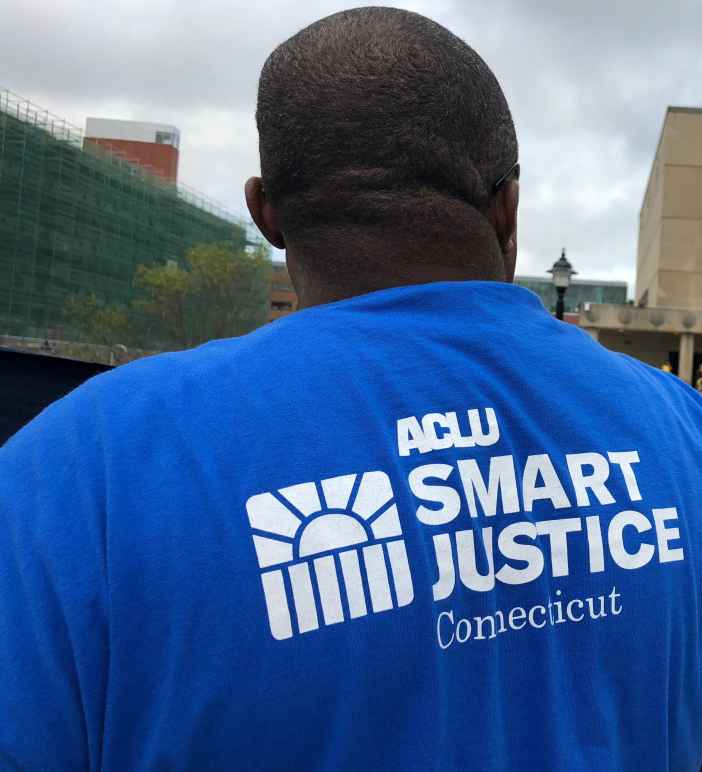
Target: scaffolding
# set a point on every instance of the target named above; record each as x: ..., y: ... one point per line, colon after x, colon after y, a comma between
x: 78, y: 219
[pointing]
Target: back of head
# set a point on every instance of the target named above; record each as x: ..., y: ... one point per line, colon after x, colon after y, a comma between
x: 382, y: 135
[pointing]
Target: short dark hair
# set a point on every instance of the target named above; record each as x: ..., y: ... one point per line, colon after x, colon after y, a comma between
x: 378, y: 116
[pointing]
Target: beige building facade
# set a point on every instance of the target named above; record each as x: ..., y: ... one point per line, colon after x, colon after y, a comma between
x: 665, y: 324
x: 669, y: 260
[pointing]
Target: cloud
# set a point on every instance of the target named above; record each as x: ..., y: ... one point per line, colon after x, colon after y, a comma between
x: 588, y: 84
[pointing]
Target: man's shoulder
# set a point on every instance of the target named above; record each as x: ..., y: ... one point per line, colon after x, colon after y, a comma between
x: 233, y: 359
x: 610, y: 383
x: 658, y: 379
x: 649, y: 391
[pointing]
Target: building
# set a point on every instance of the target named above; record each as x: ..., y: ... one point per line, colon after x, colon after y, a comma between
x: 580, y: 291
x: 283, y: 297
x: 669, y: 260
x: 668, y: 314
x: 77, y: 218
x: 153, y: 146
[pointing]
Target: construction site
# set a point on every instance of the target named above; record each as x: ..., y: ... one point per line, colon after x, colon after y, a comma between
x: 77, y: 218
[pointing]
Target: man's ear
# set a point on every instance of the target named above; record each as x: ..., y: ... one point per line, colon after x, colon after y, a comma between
x: 262, y: 213
x: 505, y: 214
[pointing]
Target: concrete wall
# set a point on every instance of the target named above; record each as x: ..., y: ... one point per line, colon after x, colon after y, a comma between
x: 630, y: 318
x: 669, y: 259
x: 76, y: 352
x: 650, y: 223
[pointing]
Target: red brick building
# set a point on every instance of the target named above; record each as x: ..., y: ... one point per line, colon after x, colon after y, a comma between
x: 151, y: 145
x: 283, y: 298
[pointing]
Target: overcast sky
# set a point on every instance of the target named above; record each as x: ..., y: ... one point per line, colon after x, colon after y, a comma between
x: 588, y: 83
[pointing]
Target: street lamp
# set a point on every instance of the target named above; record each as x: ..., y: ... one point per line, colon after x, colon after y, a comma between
x: 561, y: 272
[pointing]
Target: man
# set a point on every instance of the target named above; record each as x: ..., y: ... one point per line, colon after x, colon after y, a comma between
x: 386, y: 532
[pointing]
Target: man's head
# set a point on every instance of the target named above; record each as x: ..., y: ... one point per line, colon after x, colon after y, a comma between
x: 382, y: 138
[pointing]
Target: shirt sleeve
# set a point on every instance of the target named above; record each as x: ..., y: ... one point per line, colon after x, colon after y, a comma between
x: 54, y: 633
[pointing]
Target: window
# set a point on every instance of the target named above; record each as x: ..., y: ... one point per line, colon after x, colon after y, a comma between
x: 164, y: 138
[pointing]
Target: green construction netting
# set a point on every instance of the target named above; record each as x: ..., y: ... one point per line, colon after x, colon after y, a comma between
x: 79, y: 221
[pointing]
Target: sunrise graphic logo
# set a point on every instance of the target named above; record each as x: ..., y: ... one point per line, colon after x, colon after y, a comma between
x: 329, y: 552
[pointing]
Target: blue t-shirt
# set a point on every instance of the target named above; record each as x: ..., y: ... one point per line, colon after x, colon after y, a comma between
x: 428, y: 528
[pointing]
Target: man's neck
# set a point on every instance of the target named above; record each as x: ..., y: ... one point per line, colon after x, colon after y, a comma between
x: 311, y: 292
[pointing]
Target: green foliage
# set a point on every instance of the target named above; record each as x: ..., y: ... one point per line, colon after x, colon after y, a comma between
x: 161, y: 304
x: 95, y: 322
x: 221, y: 291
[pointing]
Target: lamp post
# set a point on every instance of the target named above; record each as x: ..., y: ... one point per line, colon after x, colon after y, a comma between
x: 561, y: 272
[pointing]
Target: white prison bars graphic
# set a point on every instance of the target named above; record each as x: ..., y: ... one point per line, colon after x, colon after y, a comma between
x: 329, y: 586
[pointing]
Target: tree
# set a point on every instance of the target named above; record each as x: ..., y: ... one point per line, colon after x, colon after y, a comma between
x: 221, y: 291
x: 95, y: 322
x: 161, y: 304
